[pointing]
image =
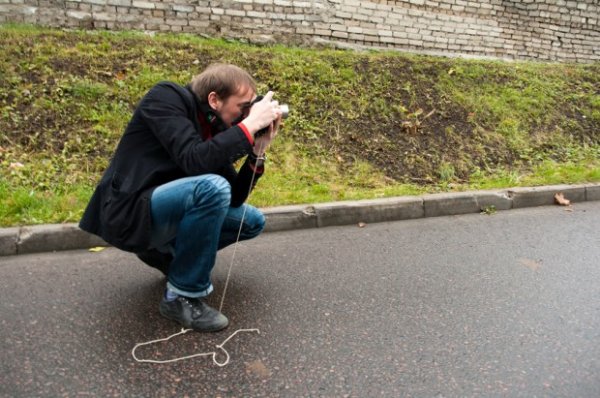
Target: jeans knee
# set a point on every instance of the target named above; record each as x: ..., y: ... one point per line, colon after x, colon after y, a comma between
x: 213, y: 190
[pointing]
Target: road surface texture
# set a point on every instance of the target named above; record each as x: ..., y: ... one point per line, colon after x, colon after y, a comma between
x: 474, y: 305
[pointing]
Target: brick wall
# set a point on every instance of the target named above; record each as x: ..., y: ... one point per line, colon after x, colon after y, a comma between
x: 557, y: 30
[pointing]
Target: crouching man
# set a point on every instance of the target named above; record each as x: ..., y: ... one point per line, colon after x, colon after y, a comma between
x: 171, y: 193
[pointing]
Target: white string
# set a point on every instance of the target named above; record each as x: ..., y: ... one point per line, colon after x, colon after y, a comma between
x: 184, y: 331
x: 202, y: 354
x: 237, y: 239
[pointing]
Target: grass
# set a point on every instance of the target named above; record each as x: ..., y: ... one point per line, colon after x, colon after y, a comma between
x: 363, y: 124
x: 25, y: 206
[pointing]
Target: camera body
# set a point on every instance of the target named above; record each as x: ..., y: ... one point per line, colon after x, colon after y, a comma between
x: 285, y: 110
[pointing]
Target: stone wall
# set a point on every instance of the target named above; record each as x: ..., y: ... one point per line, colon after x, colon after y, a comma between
x: 556, y: 30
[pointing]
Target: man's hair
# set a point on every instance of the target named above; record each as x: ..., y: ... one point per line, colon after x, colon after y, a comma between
x: 224, y: 79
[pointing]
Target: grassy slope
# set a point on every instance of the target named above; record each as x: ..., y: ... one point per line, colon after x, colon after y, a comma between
x: 363, y: 125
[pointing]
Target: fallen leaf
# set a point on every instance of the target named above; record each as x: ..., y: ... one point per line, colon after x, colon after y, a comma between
x: 16, y: 165
x: 561, y: 200
x: 97, y: 249
x: 429, y: 114
x: 531, y: 264
x: 258, y: 368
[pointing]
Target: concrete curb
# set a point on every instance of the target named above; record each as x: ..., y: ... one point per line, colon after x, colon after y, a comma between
x: 44, y: 238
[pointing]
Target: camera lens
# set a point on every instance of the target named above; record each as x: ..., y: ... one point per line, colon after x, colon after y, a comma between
x: 285, y: 110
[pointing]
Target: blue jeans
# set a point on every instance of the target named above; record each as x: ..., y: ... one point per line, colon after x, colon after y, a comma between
x: 192, y: 219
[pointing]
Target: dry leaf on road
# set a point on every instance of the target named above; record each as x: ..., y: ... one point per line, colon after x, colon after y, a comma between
x: 561, y: 200
x: 258, y: 368
x: 531, y: 264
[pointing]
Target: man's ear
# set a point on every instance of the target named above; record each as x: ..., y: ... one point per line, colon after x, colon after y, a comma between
x: 214, y: 101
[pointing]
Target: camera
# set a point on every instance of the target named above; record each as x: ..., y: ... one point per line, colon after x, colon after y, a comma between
x: 284, y: 108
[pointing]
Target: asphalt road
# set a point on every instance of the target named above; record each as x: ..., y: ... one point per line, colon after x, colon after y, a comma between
x: 473, y: 305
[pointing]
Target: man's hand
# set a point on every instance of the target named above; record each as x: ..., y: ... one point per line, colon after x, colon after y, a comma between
x: 262, y: 114
x: 262, y: 143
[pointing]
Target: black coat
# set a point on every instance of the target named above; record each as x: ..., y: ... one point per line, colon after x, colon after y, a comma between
x: 163, y: 142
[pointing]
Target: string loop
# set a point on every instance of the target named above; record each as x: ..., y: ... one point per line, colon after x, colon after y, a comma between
x: 202, y: 354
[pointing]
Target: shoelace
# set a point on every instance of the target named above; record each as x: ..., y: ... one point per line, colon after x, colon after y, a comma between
x: 197, y: 306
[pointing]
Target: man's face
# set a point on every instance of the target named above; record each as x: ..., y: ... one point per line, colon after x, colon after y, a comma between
x: 237, y: 105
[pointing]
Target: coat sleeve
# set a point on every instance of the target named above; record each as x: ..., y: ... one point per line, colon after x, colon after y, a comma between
x: 168, y: 112
x: 244, y: 183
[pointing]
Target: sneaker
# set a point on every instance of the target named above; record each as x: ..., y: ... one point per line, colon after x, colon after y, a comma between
x: 159, y: 260
x: 193, y: 313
